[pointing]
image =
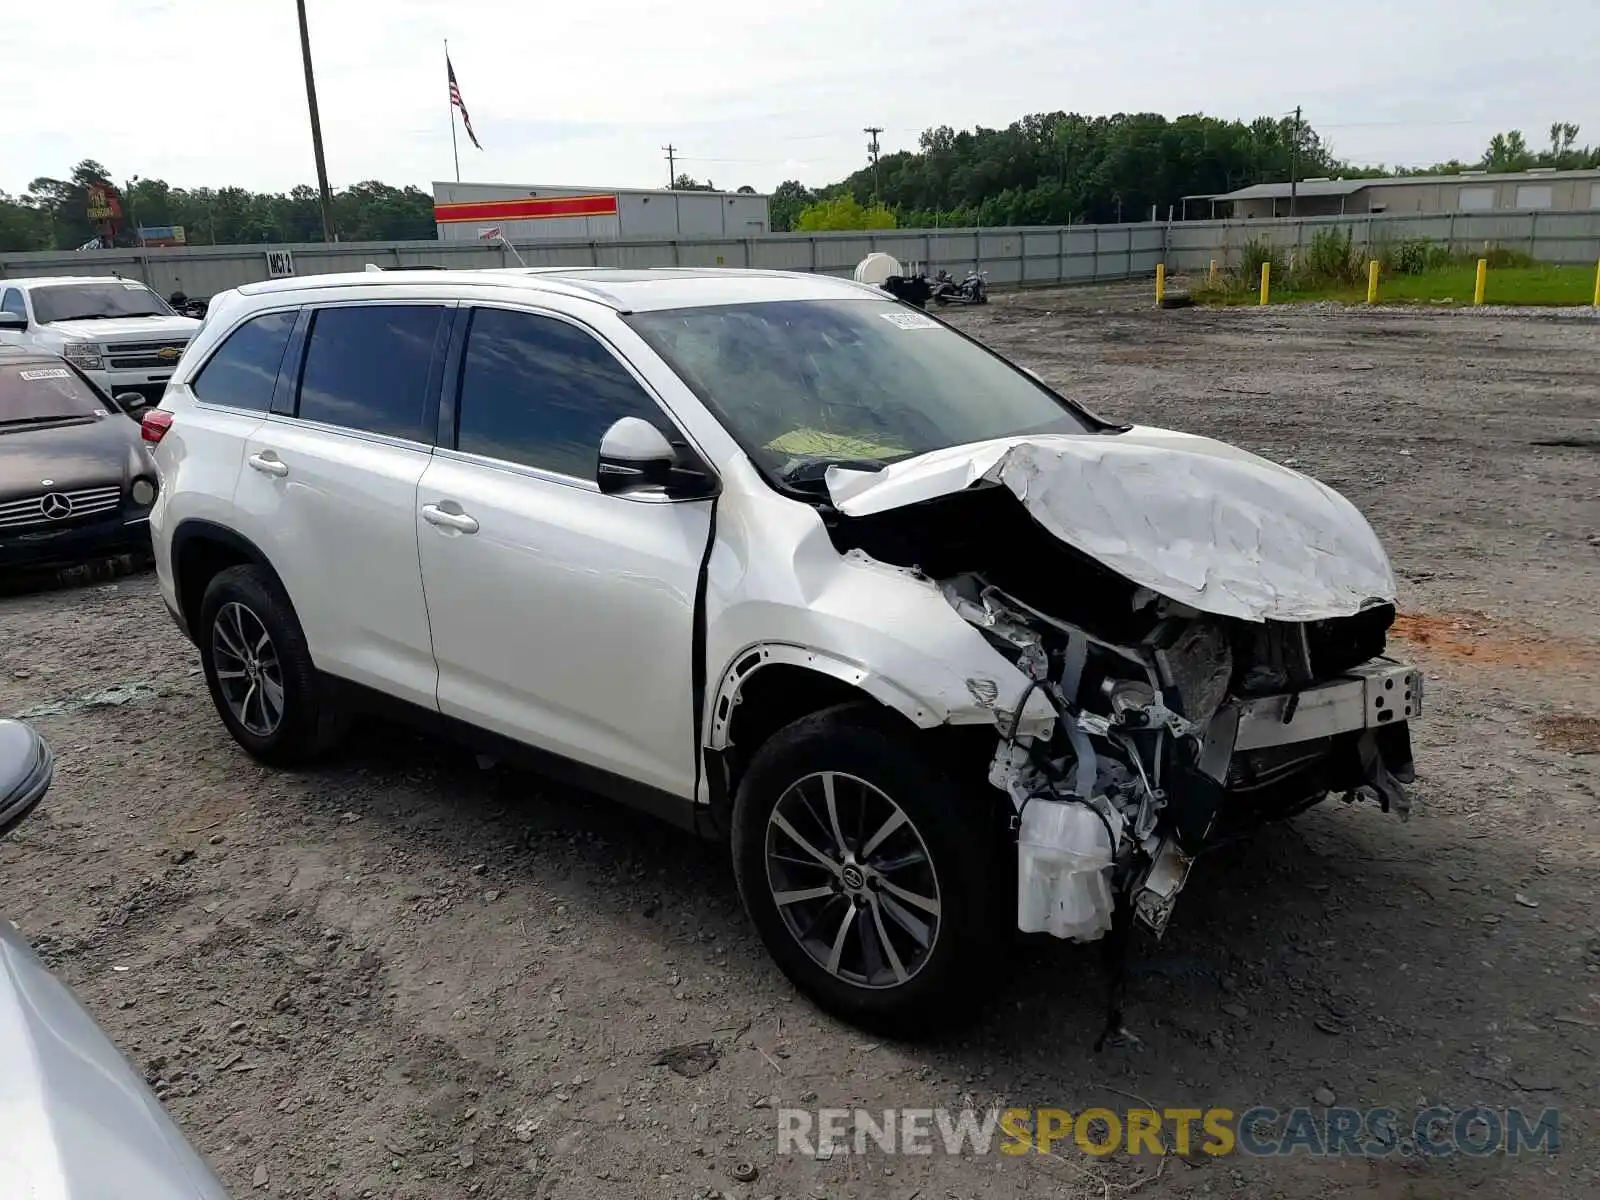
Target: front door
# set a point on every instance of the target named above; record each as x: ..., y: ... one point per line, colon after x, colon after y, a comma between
x: 561, y: 617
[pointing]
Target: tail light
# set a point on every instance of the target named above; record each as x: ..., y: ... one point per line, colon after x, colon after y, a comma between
x: 154, y: 424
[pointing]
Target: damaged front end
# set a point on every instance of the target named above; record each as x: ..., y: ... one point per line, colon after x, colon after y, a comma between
x: 1171, y: 742
x: 1201, y: 687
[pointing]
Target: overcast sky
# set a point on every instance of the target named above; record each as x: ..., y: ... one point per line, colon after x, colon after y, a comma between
x: 210, y: 92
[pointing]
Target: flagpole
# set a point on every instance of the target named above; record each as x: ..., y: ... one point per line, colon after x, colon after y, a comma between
x: 454, y: 152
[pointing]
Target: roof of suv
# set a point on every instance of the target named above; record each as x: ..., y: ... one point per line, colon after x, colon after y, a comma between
x: 619, y: 288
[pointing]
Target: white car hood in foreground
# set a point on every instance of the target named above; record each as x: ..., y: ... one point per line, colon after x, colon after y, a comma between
x: 133, y: 329
x: 1194, y: 519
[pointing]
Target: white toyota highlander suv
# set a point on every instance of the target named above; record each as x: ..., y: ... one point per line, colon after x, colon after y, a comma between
x: 939, y: 653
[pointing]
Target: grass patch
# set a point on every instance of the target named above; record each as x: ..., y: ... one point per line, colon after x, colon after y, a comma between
x: 1534, y: 286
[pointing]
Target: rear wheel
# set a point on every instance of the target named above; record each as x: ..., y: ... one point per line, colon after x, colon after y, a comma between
x: 258, y: 668
x: 866, y: 872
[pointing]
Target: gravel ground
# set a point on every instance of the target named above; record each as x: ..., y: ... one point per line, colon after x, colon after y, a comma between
x: 407, y: 975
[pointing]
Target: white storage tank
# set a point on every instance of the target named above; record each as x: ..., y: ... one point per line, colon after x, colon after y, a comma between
x: 464, y: 212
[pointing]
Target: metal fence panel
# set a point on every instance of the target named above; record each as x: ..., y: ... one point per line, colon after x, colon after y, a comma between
x: 1032, y: 255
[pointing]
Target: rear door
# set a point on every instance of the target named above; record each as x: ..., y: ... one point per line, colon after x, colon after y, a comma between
x: 561, y: 617
x: 330, y: 485
x: 214, y: 413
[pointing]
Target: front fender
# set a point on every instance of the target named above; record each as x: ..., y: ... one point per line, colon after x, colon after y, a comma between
x: 883, y: 630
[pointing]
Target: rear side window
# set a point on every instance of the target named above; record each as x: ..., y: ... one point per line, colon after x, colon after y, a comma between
x: 367, y: 367
x: 244, y: 370
x: 542, y: 393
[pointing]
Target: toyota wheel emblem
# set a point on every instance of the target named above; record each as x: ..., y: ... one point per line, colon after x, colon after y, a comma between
x: 56, y: 506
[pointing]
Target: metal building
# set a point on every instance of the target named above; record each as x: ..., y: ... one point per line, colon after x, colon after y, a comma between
x: 1540, y: 189
x: 465, y: 212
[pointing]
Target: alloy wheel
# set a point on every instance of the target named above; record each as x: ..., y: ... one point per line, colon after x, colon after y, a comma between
x: 249, y: 672
x: 853, y: 880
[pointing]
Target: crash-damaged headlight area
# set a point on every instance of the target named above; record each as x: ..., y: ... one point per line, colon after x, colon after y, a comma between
x: 1193, y: 732
x: 1180, y: 723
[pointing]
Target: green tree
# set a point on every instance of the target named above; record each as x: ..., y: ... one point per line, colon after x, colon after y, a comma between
x: 24, y: 225
x: 788, y: 199
x: 843, y: 212
x: 1508, y: 152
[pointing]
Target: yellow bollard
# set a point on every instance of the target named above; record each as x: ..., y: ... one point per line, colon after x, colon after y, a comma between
x: 1482, y: 283
x: 1161, y: 282
x: 1372, y: 281
x: 1266, y: 280
x: 1212, y: 277
x: 1597, y: 285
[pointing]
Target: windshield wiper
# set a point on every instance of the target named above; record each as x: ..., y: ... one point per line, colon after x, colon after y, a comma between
x: 89, y: 317
x: 50, y: 420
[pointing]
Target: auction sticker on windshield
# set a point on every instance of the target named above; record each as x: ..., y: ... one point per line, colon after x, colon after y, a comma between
x: 909, y: 320
x: 49, y: 373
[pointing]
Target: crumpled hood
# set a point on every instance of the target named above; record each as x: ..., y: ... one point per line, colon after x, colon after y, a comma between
x: 1194, y: 519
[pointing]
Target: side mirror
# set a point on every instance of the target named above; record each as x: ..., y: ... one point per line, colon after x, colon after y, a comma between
x: 13, y: 321
x: 635, y: 456
x: 26, y: 768
x: 131, y: 403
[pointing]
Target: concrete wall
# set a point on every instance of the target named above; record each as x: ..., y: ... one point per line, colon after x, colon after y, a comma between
x: 1032, y: 256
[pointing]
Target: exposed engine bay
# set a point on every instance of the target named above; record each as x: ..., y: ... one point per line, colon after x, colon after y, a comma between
x: 1176, y: 728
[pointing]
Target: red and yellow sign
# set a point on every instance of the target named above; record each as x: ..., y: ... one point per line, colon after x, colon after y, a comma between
x: 530, y: 208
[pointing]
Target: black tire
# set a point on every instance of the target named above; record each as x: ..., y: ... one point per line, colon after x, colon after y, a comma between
x: 856, y: 744
x: 308, y: 720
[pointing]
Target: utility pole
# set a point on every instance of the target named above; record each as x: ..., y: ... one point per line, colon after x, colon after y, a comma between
x: 316, y: 126
x: 672, y: 165
x: 1294, y: 161
x: 872, y: 148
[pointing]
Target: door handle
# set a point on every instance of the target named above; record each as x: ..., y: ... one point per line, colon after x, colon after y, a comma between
x: 460, y: 522
x: 269, y: 463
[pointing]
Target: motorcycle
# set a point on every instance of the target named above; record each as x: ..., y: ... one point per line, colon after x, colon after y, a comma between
x: 974, y: 289
x: 94, y: 1128
x: 184, y: 306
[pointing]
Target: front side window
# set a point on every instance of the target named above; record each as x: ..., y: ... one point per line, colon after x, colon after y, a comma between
x: 40, y: 393
x: 808, y: 383
x: 542, y: 393
x: 244, y: 370
x: 11, y: 302
x: 96, y: 301
x: 367, y: 368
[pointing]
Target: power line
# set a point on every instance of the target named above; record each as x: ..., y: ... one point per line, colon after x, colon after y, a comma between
x: 672, y: 165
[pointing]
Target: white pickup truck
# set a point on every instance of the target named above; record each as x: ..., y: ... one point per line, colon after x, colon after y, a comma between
x: 118, y: 332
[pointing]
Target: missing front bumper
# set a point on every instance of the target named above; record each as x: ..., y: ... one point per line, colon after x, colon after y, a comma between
x: 1376, y: 694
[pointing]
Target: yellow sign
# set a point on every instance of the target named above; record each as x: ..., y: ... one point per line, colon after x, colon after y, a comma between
x: 100, y: 206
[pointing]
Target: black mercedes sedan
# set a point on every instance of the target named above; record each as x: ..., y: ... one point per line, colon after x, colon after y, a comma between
x: 76, y: 481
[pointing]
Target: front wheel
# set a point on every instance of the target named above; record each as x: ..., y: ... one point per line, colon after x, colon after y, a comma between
x: 867, y: 872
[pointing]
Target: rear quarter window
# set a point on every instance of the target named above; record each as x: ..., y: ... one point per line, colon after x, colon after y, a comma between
x: 244, y: 369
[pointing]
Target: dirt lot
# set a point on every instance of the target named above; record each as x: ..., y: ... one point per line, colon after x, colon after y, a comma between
x: 406, y: 975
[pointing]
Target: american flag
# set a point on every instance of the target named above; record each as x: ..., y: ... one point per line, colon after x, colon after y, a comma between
x: 455, y: 102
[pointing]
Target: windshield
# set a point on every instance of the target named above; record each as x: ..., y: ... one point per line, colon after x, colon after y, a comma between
x: 807, y: 383
x: 88, y: 301
x: 38, y: 392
